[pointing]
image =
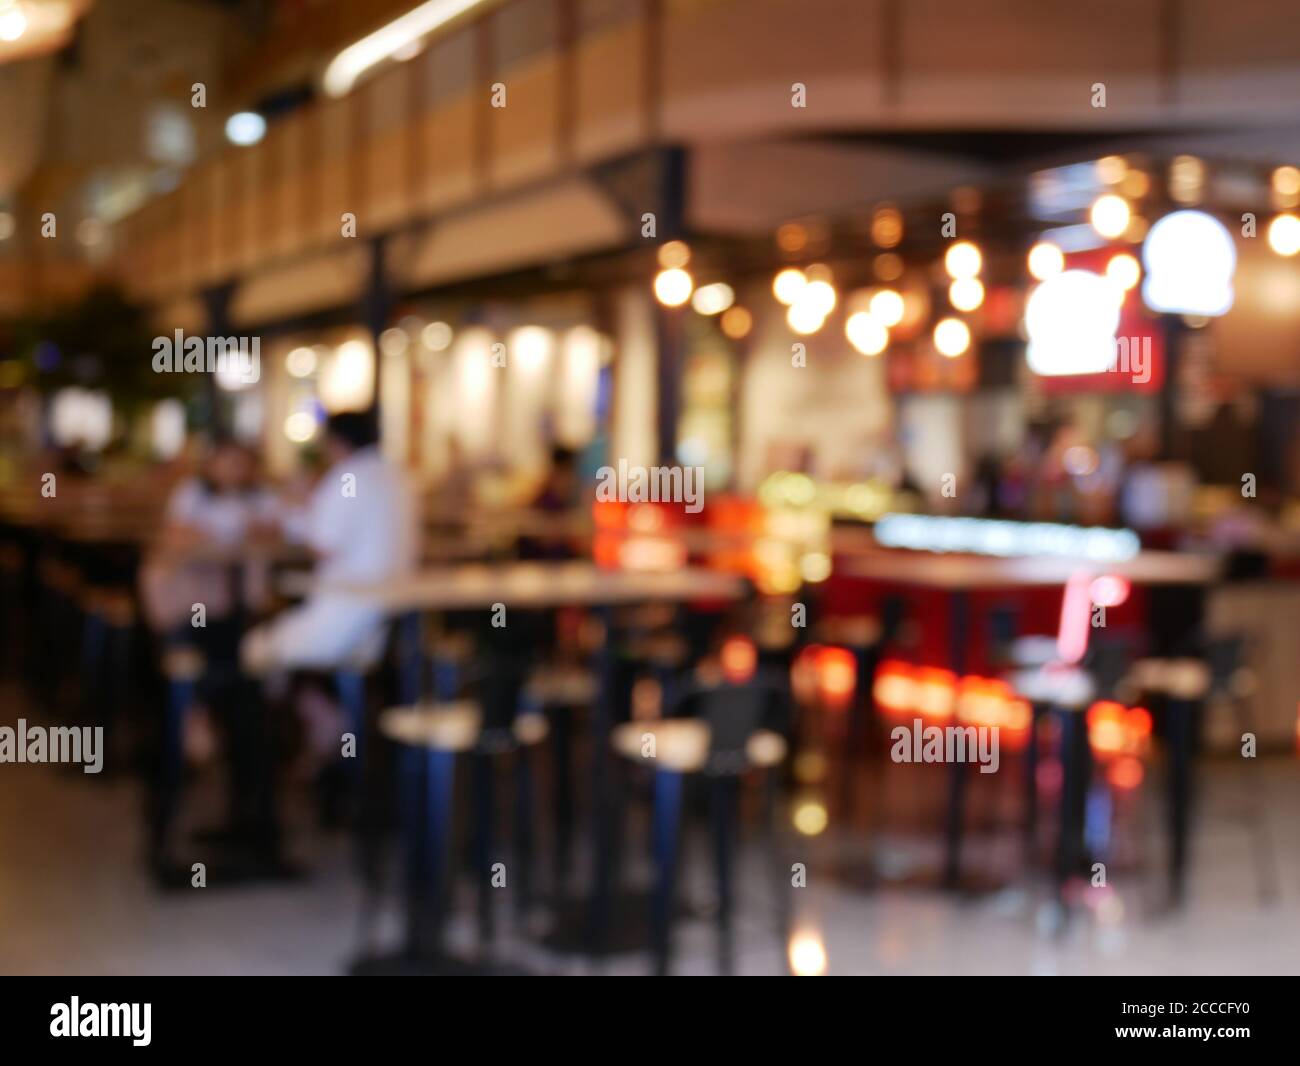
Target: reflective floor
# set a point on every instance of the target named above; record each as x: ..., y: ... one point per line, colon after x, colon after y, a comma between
x: 76, y: 899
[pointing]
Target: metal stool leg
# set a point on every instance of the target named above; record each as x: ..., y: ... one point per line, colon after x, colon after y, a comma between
x: 668, y: 788
x: 725, y: 796
x: 440, y: 781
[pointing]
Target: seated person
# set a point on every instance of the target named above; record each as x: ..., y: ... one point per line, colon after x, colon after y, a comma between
x: 361, y: 525
x: 207, y: 517
x: 555, y: 498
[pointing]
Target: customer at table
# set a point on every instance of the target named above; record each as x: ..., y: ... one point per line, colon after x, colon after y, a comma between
x: 207, y: 516
x: 196, y: 563
x: 554, y: 499
x: 361, y: 525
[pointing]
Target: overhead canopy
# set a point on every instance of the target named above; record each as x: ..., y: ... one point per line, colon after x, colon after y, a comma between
x: 569, y: 217
x: 315, y: 283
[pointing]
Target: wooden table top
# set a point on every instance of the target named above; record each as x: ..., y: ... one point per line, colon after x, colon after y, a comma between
x: 538, y: 585
x: 951, y: 572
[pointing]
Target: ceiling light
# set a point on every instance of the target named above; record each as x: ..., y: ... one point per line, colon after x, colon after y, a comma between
x: 390, y: 40
x: 245, y: 128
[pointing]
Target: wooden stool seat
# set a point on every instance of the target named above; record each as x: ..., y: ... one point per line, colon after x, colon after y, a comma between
x: 680, y: 744
x: 1032, y: 651
x: 683, y: 744
x: 1185, y: 679
x: 1068, y: 688
x: 453, y: 726
x: 183, y: 664
x: 766, y: 748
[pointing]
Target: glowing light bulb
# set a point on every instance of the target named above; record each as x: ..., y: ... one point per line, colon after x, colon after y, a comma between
x: 13, y: 22
x: 810, y: 818
x: 966, y: 294
x: 674, y: 254
x: 1123, y: 270
x: 713, y: 299
x: 1045, y: 259
x: 1284, y: 235
x: 821, y: 295
x: 788, y: 284
x: 963, y: 260
x: 804, y: 318
x: 673, y: 287
x: 1110, y: 215
x: 866, y: 333
x: 951, y: 337
x: 887, y: 307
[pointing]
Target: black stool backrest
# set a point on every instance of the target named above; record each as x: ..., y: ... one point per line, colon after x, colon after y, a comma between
x: 500, y: 689
x: 1224, y: 656
x: 733, y: 713
x: 1004, y: 625
x: 893, y: 612
x: 1108, y: 662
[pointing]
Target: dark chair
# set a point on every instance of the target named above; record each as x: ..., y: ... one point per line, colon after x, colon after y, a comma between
x: 717, y: 734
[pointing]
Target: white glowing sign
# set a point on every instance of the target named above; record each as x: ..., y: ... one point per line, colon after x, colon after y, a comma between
x: 1189, y: 258
x: 1071, y: 319
x: 982, y: 536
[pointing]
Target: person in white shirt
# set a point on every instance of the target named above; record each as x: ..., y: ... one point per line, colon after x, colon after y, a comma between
x: 216, y: 510
x: 361, y: 523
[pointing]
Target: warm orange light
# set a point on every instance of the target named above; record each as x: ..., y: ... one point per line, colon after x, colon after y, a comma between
x: 652, y: 554
x: 1106, y: 732
x: 1139, y: 722
x: 645, y: 518
x: 607, y: 549
x: 894, y: 687
x: 807, y: 955
x: 609, y: 514
x: 739, y: 659
x: 1125, y: 773
x: 1114, y: 729
x: 837, y: 675
x: 737, y: 322
x: 936, y: 692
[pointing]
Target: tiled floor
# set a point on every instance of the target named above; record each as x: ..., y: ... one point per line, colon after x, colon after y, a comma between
x: 75, y: 899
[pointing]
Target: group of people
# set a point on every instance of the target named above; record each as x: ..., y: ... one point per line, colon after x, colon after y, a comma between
x: 205, y: 585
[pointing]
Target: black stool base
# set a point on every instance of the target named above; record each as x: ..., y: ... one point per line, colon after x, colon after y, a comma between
x: 628, y: 930
x: 863, y: 875
x: 405, y: 964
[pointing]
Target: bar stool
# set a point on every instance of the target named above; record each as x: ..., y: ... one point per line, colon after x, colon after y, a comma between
x: 561, y: 691
x: 1064, y: 692
x: 722, y: 742
x: 120, y: 618
x: 182, y: 667
x: 1232, y: 681
x: 432, y: 736
x: 58, y: 618
x: 1184, y: 684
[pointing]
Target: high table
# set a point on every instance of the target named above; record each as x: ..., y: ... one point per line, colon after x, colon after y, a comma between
x: 959, y: 575
x: 542, y: 585
x: 539, y: 585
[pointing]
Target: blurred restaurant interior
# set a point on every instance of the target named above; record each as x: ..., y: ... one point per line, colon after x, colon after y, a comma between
x: 570, y: 487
